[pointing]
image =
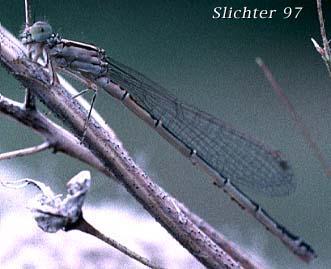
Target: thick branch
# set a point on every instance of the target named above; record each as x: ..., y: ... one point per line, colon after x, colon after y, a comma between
x: 244, y: 259
x: 115, y: 158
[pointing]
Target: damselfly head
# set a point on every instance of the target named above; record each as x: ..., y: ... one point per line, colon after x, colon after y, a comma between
x: 38, y: 32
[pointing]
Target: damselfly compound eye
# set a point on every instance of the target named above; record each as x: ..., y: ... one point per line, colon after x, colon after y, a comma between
x: 40, y: 31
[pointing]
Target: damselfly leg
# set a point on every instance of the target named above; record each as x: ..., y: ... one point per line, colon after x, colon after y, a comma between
x: 95, y: 90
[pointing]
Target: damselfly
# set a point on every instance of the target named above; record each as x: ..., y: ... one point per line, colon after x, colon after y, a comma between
x: 227, y: 155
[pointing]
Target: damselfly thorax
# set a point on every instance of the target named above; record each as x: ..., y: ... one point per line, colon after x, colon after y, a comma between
x: 67, y: 55
x: 79, y: 58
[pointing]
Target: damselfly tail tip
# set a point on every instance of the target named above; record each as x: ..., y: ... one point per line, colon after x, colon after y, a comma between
x: 306, y: 253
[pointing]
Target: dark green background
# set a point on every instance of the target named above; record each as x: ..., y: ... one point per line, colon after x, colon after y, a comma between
x: 210, y: 64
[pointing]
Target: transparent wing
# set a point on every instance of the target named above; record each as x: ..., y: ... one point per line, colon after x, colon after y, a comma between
x: 234, y: 155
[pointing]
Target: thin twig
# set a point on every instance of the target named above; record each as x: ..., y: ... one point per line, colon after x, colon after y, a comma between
x: 83, y: 226
x: 27, y: 13
x: 326, y: 46
x: 26, y: 151
x: 29, y: 101
x: 295, y: 117
x: 61, y: 139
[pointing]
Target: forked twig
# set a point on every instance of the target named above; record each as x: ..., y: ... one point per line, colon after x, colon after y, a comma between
x: 325, y: 51
x: 322, y: 27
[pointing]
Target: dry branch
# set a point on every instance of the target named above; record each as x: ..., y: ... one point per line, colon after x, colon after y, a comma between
x: 112, y: 157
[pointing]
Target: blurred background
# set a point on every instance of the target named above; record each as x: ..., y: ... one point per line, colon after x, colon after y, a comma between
x: 211, y: 65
